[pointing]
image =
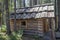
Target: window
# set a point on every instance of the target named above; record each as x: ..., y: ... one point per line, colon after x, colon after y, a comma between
x: 23, y: 23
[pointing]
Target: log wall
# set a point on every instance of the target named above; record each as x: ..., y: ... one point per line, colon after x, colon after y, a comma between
x: 33, y: 26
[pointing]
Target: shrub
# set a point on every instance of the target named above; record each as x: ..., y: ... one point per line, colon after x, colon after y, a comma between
x: 18, y: 34
x: 14, y: 36
x: 3, y: 28
x: 2, y: 37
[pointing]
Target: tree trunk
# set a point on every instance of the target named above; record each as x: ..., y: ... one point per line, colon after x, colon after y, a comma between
x: 15, y: 16
x: 7, y: 18
x: 3, y: 12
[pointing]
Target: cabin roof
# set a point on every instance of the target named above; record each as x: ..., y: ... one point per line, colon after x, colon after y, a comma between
x: 36, y: 8
x: 34, y: 12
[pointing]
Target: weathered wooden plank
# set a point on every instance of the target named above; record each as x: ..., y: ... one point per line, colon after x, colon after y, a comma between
x: 31, y: 32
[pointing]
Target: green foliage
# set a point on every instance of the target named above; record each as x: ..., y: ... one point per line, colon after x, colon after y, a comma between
x: 2, y: 37
x: 18, y: 34
x: 14, y: 36
x: 3, y: 28
x: 47, y: 1
x: 11, y: 6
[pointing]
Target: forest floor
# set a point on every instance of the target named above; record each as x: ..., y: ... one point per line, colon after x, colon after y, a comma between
x: 27, y: 37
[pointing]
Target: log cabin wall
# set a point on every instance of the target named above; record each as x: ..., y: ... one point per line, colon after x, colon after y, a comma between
x: 12, y: 24
x: 31, y: 24
x: 41, y: 25
x: 35, y: 25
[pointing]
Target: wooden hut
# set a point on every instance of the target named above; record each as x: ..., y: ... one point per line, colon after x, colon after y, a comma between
x: 34, y: 20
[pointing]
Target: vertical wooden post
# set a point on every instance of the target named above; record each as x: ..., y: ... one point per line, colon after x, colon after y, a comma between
x: 52, y: 29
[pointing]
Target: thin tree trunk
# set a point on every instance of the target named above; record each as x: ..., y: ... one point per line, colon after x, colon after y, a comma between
x: 7, y: 18
x: 15, y: 28
x: 3, y: 13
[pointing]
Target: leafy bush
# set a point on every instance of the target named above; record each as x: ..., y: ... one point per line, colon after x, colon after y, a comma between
x: 3, y: 28
x: 18, y: 35
x: 14, y: 36
x: 2, y: 37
